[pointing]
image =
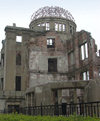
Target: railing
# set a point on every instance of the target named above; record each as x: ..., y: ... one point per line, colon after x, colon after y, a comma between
x: 84, y: 109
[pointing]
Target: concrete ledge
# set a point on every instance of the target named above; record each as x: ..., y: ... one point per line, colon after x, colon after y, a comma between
x: 62, y: 85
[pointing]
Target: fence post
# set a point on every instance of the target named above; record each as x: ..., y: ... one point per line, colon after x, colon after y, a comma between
x: 80, y: 107
x: 98, y: 109
x: 56, y: 109
x: 41, y: 110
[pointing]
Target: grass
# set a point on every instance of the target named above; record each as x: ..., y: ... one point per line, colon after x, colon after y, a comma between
x: 20, y: 117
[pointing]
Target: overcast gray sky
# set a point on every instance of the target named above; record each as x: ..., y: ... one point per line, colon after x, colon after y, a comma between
x: 85, y: 12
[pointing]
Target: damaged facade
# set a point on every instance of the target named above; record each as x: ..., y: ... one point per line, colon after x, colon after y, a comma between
x: 49, y: 62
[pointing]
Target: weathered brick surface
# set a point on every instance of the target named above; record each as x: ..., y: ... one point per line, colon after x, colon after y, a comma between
x: 35, y: 77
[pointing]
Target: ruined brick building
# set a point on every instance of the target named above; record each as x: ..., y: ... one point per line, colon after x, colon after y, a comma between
x: 49, y: 62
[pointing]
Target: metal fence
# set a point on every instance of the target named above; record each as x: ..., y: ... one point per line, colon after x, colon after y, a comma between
x: 84, y: 109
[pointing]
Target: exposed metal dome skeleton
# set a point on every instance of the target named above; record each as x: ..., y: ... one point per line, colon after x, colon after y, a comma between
x: 52, y: 12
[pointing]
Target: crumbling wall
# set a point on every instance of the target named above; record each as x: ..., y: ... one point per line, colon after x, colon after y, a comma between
x: 39, y: 54
x: 92, y: 91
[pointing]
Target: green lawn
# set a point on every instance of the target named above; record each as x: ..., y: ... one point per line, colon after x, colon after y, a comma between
x: 16, y: 117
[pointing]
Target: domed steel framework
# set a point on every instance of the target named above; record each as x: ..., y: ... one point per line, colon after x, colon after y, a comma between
x: 52, y: 12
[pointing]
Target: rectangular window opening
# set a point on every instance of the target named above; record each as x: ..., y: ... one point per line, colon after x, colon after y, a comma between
x: 50, y: 43
x: 52, y: 65
x: 18, y: 59
x: 84, y: 51
x: 63, y: 27
x: 60, y: 27
x: 19, y: 39
x: 71, y: 29
x: 47, y: 26
x: 86, y: 75
x: 2, y: 59
x: 56, y: 26
x: 42, y: 24
x: 1, y: 84
x: 18, y: 83
x: 39, y: 25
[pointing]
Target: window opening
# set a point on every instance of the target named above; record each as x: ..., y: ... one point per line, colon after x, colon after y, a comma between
x: 47, y: 26
x: 71, y: 29
x: 50, y: 43
x: 86, y: 75
x: 56, y: 27
x: 63, y: 27
x: 18, y: 38
x: 84, y: 51
x: 52, y: 65
x: 55, y: 94
x: 39, y: 24
x: 2, y: 59
x: 1, y: 85
x: 43, y: 24
x: 18, y: 59
x: 60, y: 27
x: 18, y: 83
